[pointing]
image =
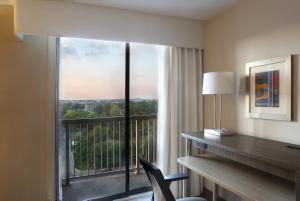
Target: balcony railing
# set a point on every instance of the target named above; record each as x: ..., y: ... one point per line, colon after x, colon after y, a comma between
x: 96, y: 147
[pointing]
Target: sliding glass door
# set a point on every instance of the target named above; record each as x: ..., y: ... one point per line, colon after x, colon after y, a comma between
x: 144, y: 62
x: 107, y: 116
x: 92, y: 111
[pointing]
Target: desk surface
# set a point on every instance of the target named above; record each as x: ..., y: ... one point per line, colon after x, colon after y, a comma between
x: 244, y: 181
x: 273, y: 152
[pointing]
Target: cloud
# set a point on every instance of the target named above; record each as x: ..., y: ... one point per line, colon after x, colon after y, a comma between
x: 68, y: 51
x: 93, y: 69
x: 75, y: 48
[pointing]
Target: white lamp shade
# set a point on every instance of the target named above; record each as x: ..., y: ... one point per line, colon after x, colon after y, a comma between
x: 218, y: 83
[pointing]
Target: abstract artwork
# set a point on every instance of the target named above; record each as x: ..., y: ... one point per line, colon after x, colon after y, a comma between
x: 267, y: 89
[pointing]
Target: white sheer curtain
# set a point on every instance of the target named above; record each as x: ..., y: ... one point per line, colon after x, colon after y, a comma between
x: 179, y: 109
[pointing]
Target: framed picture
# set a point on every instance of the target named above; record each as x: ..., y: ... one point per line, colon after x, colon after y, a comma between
x: 269, y: 88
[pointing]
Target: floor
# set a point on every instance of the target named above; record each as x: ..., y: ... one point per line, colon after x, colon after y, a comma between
x: 102, y: 187
x: 140, y: 197
x: 147, y: 197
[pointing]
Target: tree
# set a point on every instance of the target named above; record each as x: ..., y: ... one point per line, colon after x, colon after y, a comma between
x: 70, y: 114
x: 115, y: 110
x: 99, y: 109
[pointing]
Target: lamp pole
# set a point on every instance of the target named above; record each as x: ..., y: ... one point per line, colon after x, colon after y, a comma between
x: 218, y: 84
x: 215, y: 111
x: 220, y: 114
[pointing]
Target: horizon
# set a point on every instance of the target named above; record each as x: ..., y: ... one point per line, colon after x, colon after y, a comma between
x: 107, y: 99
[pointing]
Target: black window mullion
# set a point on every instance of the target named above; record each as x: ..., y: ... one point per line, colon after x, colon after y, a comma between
x: 127, y: 112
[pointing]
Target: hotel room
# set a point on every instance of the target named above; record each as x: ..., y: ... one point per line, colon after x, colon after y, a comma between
x: 139, y: 100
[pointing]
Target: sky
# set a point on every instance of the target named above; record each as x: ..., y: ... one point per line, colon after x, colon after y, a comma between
x: 95, y: 69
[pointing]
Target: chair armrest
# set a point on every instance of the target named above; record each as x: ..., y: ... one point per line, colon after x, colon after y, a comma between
x: 176, y: 177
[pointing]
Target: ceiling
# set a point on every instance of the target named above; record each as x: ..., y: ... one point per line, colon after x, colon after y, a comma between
x: 193, y: 9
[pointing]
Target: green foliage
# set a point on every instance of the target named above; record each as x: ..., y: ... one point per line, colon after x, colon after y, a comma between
x: 107, y: 109
x: 70, y: 114
x: 105, y: 147
x: 143, y: 107
x: 101, y: 146
x: 91, y: 148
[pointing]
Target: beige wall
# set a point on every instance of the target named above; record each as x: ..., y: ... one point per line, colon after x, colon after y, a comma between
x: 254, y: 30
x: 24, y: 114
x: 6, y: 2
x: 58, y: 18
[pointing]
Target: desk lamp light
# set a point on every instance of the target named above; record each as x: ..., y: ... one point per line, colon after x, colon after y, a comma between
x: 218, y: 83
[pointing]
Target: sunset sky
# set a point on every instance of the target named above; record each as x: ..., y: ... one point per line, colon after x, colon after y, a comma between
x: 93, y: 69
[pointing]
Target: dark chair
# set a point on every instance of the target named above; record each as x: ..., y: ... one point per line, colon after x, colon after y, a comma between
x: 161, y: 184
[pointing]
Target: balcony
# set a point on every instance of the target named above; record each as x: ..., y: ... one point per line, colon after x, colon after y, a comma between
x: 93, y: 155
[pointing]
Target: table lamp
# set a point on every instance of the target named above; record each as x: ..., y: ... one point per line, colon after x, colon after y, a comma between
x: 218, y: 83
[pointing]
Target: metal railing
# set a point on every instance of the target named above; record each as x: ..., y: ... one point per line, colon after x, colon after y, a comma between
x: 96, y: 146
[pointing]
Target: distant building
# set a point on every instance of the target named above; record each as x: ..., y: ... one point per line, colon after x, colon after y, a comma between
x: 90, y: 107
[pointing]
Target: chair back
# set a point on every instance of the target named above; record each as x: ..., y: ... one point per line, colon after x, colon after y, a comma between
x: 160, y: 188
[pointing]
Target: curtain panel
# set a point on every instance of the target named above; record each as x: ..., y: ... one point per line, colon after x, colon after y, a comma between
x: 180, y: 109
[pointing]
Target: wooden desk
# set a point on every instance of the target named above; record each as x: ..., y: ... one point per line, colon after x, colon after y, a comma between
x: 265, y: 157
x: 240, y: 179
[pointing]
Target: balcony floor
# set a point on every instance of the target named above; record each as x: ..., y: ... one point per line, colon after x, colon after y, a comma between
x: 101, y: 186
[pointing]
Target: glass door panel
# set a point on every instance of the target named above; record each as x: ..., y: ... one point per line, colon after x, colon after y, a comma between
x: 144, y: 64
x: 91, y: 117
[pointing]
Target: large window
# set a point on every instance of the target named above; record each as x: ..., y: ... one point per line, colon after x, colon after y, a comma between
x: 93, y: 134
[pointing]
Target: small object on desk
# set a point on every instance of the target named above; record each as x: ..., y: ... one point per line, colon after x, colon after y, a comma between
x: 217, y: 132
x: 293, y: 147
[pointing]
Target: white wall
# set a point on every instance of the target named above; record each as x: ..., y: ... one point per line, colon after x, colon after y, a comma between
x: 41, y: 17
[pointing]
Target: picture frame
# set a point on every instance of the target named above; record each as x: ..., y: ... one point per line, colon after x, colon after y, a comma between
x: 269, y: 89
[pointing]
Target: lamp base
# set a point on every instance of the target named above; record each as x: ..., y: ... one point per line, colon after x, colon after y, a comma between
x: 218, y: 132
